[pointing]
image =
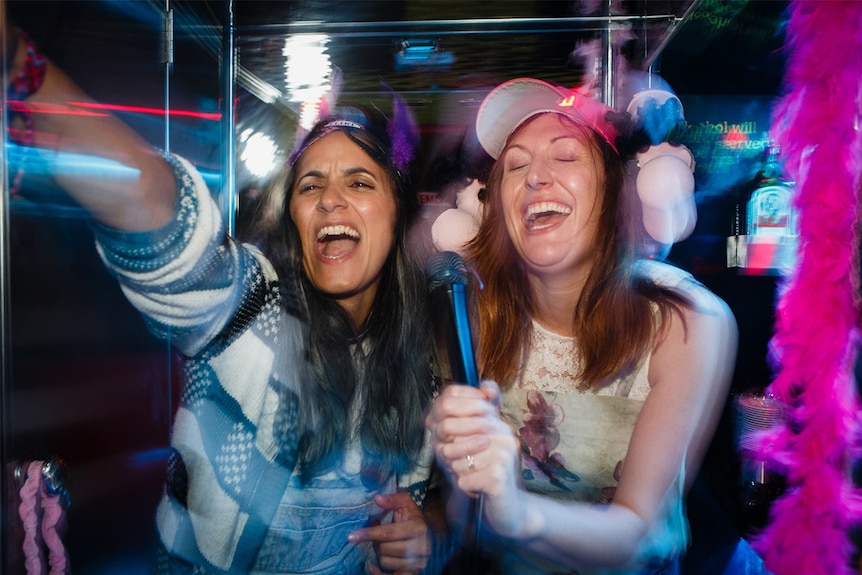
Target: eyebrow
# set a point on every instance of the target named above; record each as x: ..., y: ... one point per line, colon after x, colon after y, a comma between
x: 348, y: 172
x: 359, y: 170
x: 565, y: 137
x: 554, y: 140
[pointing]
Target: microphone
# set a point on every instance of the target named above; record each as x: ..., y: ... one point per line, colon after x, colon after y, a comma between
x: 447, y: 286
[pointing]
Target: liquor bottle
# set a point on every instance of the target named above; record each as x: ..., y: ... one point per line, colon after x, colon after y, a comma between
x: 769, y: 211
x: 768, y: 246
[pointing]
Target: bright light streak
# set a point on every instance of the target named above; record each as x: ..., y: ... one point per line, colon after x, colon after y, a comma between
x: 259, y: 152
x: 41, y: 163
x: 73, y: 164
x: 309, y: 114
x: 308, y: 72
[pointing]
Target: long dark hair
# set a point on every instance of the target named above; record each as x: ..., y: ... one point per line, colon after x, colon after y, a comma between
x: 386, y: 369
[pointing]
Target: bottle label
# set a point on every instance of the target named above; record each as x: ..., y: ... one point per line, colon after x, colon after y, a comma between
x: 770, y: 212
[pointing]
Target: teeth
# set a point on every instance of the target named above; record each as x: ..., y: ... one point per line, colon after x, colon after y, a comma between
x: 339, y: 230
x: 547, y: 207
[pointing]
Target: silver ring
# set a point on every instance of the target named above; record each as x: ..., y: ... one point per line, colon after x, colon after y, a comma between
x: 471, y: 462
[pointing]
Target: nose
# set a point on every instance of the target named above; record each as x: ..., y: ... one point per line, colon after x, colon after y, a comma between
x: 538, y: 175
x: 331, y: 198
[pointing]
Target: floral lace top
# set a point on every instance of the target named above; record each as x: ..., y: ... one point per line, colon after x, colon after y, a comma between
x: 574, y: 443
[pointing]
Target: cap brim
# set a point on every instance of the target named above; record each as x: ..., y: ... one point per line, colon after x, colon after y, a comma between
x: 508, y: 105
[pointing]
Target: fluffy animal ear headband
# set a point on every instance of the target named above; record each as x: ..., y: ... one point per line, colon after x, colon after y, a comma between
x: 395, y: 137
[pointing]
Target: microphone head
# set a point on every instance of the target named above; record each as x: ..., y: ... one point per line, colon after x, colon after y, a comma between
x: 445, y: 268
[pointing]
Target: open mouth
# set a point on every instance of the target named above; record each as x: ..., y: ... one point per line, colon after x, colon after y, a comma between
x: 336, y: 241
x: 545, y: 214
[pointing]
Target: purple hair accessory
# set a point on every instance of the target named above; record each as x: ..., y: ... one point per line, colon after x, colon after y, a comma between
x: 403, y: 133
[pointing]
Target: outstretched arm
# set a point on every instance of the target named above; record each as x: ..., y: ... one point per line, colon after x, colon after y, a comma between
x: 138, y: 193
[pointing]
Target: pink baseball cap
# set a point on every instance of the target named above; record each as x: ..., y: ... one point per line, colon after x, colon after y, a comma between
x: 511, y: 103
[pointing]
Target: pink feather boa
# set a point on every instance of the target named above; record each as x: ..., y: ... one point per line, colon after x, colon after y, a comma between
x: 816, y: 338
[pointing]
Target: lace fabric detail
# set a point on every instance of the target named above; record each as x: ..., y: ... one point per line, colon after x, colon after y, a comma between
x: 553, y: 362
x: 574, y: 443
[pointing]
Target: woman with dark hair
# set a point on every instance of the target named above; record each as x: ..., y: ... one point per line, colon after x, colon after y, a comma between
x: 613, y: 368
x: 298, y: 445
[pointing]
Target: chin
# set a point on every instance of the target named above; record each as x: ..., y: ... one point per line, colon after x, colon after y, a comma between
x: 545, y: 263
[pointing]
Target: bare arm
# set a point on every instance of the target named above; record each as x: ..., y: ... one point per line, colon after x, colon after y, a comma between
x: 690, y: 373
x: 138, y: 195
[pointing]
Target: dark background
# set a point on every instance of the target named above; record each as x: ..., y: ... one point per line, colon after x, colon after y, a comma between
x: 86, y: 380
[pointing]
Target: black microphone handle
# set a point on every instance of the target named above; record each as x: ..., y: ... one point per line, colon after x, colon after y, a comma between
x: 452, y: 327
x: 447, y: 284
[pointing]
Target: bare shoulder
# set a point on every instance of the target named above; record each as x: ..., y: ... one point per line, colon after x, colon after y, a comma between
x: 692, y: 366
x: 701, y: 301
x: 701, y: 338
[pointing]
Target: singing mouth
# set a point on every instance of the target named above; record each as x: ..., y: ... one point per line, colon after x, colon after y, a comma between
x: 336, y: 241
x: 544, y: 214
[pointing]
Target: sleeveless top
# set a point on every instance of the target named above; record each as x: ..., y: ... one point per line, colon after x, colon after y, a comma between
x: 573, y: 443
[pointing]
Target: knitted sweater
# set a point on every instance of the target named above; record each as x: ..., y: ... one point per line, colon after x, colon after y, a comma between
x: 236, y: 428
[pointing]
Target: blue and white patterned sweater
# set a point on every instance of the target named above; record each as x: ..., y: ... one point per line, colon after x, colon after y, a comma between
x: 218, y: 302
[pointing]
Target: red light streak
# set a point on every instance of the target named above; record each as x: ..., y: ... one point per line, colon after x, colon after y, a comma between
x: 143, y: 110
x: 100, y: 110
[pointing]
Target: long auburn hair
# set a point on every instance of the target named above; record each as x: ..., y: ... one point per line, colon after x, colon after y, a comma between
x: 614, y: 318
x: 394, y: 383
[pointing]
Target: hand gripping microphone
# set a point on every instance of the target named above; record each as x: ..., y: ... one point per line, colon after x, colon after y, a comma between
x: 447, y: 288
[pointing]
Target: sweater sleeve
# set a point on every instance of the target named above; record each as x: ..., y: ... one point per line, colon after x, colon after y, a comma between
x: 185, y: 277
